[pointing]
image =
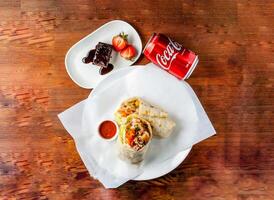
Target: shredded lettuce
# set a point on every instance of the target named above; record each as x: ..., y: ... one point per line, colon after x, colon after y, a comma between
x: 118, y: 118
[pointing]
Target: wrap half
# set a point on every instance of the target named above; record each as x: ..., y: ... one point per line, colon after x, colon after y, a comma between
x: 161, y: 124
x: 134, y: 138
x: 161, y: 127
x: 127, y: 107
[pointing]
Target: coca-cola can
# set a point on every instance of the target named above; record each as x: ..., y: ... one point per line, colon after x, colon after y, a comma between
x: 170, y: 56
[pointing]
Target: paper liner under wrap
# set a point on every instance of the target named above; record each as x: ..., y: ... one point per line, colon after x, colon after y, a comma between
x: 193, y: 125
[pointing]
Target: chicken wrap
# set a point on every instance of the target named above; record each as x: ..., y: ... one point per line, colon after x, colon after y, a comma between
x: 134, y: 139
x: 161, y: 123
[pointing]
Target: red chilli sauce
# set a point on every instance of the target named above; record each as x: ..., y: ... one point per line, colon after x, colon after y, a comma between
x: 107, y: 129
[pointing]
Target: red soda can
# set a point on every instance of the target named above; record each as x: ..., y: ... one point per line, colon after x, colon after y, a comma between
x: 170, y: 55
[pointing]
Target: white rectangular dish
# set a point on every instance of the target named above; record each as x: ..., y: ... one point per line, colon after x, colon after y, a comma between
x: 87, y: 75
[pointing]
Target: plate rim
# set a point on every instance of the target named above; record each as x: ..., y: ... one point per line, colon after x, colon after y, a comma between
x: 179, y: 157
x: 101, y: 27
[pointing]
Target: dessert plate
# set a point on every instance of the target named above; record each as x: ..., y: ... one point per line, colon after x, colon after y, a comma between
x: 87, y: 75
x: 151, y: 170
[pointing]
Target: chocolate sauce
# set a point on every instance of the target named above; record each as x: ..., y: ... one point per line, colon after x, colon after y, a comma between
x: 89, y: 57
x: 105, y: 70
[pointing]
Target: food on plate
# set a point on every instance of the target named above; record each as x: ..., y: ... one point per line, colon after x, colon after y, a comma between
x: 119, y: 42
x: 89, y: 57
x: 162, y: 126
x: 146, y: 109
x: 134, y: 139
x: 126, y: 108
x: 100, y: 56
x: 107, y: 129
x: 138, y: 106
x: 129, y: 52
x: 161, y: 123
x: 104, y: 70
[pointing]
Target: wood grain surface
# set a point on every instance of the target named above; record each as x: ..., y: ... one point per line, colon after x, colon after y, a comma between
x: 234, y: 81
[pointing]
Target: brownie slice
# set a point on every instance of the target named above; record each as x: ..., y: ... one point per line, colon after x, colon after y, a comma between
x: 102, y: 54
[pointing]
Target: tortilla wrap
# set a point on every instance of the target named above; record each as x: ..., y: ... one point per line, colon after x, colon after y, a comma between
x: 149, y: 110
x: 126, y: 108
x: 126, y: 151
x: 161, y: 124
x: 136, y: 105
x: 161, y: 127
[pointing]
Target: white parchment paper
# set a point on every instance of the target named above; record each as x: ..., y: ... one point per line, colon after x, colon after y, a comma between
x: 155, y: 86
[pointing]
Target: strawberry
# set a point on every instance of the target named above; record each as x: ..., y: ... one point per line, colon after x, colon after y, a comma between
x: 128, y: 53
x: 119, y: 42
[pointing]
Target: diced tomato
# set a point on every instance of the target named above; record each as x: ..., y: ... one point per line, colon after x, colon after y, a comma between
x: 130, y: 136
x: 123, y: 113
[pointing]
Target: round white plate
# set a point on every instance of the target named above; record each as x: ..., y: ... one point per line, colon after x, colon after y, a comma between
x: 87, y: 75
x: 151, y: 170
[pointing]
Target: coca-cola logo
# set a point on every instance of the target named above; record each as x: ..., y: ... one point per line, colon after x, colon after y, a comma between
x: 169, y: 54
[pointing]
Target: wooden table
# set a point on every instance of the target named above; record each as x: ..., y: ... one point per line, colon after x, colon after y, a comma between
x: 234, y: 81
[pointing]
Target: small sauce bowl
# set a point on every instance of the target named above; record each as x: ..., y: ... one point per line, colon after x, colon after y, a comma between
x: 108, y: 130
